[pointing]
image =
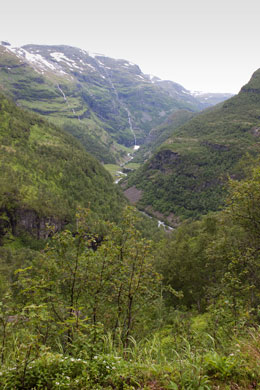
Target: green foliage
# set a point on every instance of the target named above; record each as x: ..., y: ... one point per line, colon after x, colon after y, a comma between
x: 189, y: 368
x: 215, y: 262
x: 91, y: 310
x: 221, y: 367
x: 160, y: 134
x: 45, y: 174
x: 189, y: 187
x: 244, y: 203
x: 188, y: 173
x: 72, y: 294
x: 56, y: 371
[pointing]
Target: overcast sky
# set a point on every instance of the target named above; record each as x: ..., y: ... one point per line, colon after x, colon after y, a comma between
x: 205, y: 45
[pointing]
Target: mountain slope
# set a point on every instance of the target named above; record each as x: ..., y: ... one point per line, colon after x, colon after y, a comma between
x: 53, y: 94
x: 45, y: 175
x: 102, y: 101
x: 185, y: 176
x: 161, y: 133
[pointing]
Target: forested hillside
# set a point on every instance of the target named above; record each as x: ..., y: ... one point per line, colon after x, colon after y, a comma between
x: 45, y: 175
x: 186, y: 176
x: 181, y: 314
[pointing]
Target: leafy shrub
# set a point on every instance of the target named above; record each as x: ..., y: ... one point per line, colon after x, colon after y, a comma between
x: 221, y: 367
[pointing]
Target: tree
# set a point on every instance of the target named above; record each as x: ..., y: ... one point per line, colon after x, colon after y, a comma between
x: 84, y: 281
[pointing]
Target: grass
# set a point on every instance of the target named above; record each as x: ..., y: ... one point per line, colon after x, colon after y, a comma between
x: 132, y: 166
x: 113, y: 169
x: 164, y: 361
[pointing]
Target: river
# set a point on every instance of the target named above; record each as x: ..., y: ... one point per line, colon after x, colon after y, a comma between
x: 160, y: 223
x: 130, y: 157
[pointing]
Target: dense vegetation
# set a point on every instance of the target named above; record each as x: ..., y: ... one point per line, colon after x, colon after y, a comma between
x: 45, y: 175
x: 160, y: 134
x: 187, y: 174
x: 130, y: 314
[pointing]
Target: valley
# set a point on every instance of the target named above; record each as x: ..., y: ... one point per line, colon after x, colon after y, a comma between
x: 105, y: 99
x: 129, y: 227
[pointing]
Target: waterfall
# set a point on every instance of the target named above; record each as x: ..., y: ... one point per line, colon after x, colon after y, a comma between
x: 102, y: 66
x: 131, y: 127
x: 66, y: 100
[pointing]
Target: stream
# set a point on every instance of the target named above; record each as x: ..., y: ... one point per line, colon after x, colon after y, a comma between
x: 160, y: 223
x: 135, y: 148
x: 130, y: 157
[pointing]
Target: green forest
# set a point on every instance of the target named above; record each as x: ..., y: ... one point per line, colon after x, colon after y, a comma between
x: 188, y: 170
x: 127, y: 312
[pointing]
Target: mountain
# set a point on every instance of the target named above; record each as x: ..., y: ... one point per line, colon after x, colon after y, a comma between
x: 186, y: 175
x: 211, y: 99
x: 45, y: 174
x: 202, y: 99
x: 106, y: 103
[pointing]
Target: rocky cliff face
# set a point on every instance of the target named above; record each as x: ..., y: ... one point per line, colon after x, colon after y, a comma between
x: 21, y: 220
x: 38, y: 226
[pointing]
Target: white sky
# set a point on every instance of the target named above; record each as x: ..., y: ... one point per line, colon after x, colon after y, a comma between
x: 206, y: 45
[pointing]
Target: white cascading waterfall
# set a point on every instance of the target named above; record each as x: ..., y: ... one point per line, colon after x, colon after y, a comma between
x: 66, y: 100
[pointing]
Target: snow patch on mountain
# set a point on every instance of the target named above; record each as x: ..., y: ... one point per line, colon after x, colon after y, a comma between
x: 41, y: 64
x: 127, y: 64
x: 91, y: 67
x: 196, y: 93
x: 34, y: 59
x: 151, y: 77
x: 38, y: 59
x: 60, y: 57
x: 94, y: 55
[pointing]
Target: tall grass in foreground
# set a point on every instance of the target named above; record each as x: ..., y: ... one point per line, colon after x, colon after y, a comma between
x: 162, y: 362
